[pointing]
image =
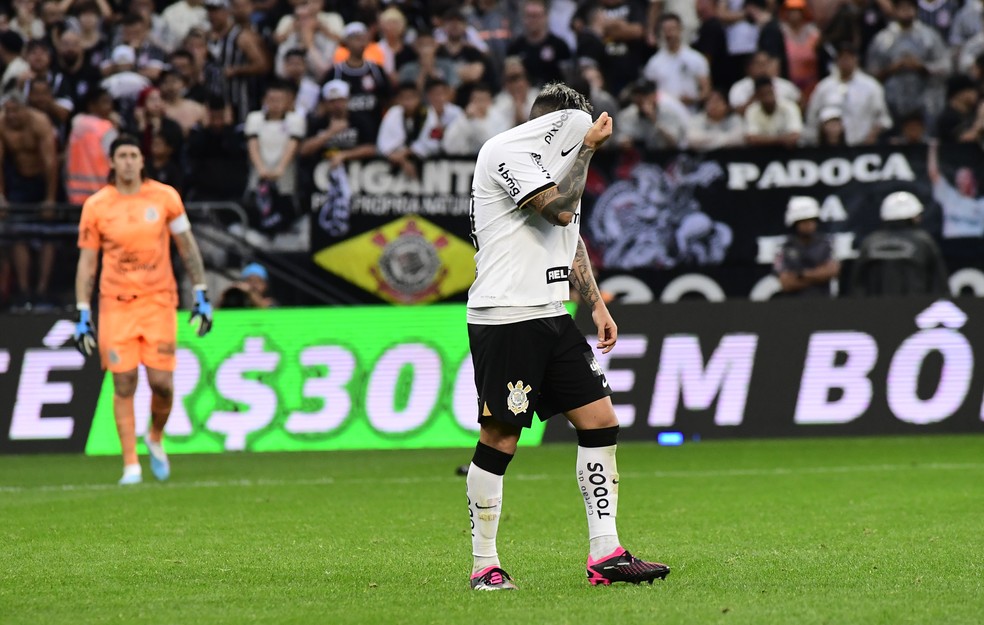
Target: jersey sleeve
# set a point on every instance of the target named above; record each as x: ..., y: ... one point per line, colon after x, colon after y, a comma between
x: 522, y: 176
x: 173, y: 206
x: 89, y: 237
x: 254, y: 121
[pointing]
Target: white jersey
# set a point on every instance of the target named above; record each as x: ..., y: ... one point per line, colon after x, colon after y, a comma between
x: 522, y: 259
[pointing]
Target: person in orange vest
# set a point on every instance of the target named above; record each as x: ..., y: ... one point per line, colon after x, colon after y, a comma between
x: 87, y: 162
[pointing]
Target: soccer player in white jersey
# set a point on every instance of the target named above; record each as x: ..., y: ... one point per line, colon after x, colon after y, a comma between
x: 528, y: 354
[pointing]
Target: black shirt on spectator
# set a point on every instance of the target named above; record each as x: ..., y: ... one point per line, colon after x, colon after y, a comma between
x: 542, y: 60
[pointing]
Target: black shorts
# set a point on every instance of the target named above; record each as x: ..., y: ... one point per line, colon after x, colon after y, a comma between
x: 543, y: 366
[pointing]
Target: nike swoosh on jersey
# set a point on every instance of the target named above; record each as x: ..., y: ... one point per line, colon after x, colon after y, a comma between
x: 566, y: 152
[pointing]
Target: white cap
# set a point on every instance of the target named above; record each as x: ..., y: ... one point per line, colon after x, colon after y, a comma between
x: 900, y: 205
x: 355, y: 28
x: 335, y: 89
x: 801, y: 208
x: 828, y: 113
x: 123, y: 55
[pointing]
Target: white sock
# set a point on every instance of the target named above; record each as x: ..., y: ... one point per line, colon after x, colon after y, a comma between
x: 131, y: 469
x: 597, y: 477
x: 484, y: 509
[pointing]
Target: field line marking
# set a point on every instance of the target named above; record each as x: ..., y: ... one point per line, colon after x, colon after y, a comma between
x: 327, y: 481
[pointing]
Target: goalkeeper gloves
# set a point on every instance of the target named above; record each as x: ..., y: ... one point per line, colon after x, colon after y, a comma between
x: 201, y: 313
x: 84, y: 336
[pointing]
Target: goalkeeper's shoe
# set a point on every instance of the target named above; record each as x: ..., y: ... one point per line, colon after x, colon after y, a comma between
x: 159, y: 464
x: 622, y: 566
x: 131, y: 475
x: 492, y: 578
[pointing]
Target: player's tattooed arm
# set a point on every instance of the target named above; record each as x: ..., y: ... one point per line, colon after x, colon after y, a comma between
x: 85, y: 276
x: 582, y: 277
x: 190, y: 256
x: 558, y: 204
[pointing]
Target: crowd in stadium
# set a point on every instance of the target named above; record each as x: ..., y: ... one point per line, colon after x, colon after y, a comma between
x: 234, y: 97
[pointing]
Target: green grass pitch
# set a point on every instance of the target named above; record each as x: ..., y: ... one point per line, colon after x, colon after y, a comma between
x: 865, y: 530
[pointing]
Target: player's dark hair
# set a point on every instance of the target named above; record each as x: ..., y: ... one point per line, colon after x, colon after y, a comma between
x: 557, y: 96
x: 119, y: 142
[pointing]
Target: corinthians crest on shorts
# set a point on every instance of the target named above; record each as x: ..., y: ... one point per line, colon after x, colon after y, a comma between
x: 517, y: 401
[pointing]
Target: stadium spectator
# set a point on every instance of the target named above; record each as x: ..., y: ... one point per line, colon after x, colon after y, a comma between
x: 440, y: 113
x: 307, y: 91
x: 183, y: 63
x: 909, y: 58
x: 427, y: 64
x: 859, y: 97
x: 237, y: 60
x: 315, y: 32
x: 716, y: 127
x: 516, y: 98
x: 653, y: 120
x: 250, y: 291
x: 601, y: 101
x: 52, y: 16
x: 831, y: 132
x: 29, y: 166
x: 178, y: 19
x: 441, y: 17
x: 124, y: 84
x: 162, y: 163
x: 150, y: 121
x: 40, y: 98
x: 911, y: 130
x: 401, y: 127
x: 25, y: 21
x: 962, y: 120
x: 741, y: 36
x: 805, y: 264
x: 273, y: 136
x: 217, y: 157
x: 686, y: 10
x: 470, y: 64
x: 712, y: 42
x: 72, y: 77
x: 900, y: 258
x: 623, y: 25
x: 393, y: 33
x: 333, y: 134
x: 938, y: 14
x: 150, y: 57
x: 963, y: 210
x: 11, y: 47
x: 678, y: 69
x: 468, y: 133
x: 187, y: 113
x: 545, y: 56
x: 39, y: 61
x: 801, y: 38
x: 93, y: 130
x: 771, y: 120
x: 490, y: 19
x: 94, y: 41
x: 761, y: 65
x: 966, y: 23
x: 770, y: 38
x: 146, y: 9
x: 369, y: 88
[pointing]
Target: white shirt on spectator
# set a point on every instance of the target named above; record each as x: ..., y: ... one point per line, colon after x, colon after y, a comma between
x: 632, y: 124
x: 704, y: 134
x: 308, y: 94
x: 962, y: 216
x: 125, y: 84
x: 862, y: 103
x: 785, y: 120
x: 743, y: 91
x: 503, y: 104
x: 428, y: 143
x: 273, y: 136
x: 677, y: 73
x: 177, y: 20
x: 392, y: 131
x: 466, y: 135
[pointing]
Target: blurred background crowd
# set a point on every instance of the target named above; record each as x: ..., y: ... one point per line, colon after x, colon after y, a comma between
x: 237, y: 99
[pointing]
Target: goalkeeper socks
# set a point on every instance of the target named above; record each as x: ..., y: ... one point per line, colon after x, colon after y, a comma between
x: 484, y: 483
x: 597, y: 478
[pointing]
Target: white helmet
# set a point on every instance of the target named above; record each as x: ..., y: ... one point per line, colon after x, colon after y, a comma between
x: 800, y: 208
x: 900, y: 205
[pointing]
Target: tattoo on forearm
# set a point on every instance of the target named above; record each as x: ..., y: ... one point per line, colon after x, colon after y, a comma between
x: 191, y: 257
x: 582, y: 278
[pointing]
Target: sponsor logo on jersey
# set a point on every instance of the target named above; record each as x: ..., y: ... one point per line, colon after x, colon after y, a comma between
x: 150, y: 215
x: 538, y: 161
x: 514, y: 186
x: 558, y: 274
x: 556, y: 126
x: 517, y: 401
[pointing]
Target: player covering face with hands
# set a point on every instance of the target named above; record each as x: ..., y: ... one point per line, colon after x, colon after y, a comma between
x: 130, y: 222
x: 528, y: 355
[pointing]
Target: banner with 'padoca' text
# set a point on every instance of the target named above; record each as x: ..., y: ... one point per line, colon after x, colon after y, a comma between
x: 316, y: 379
